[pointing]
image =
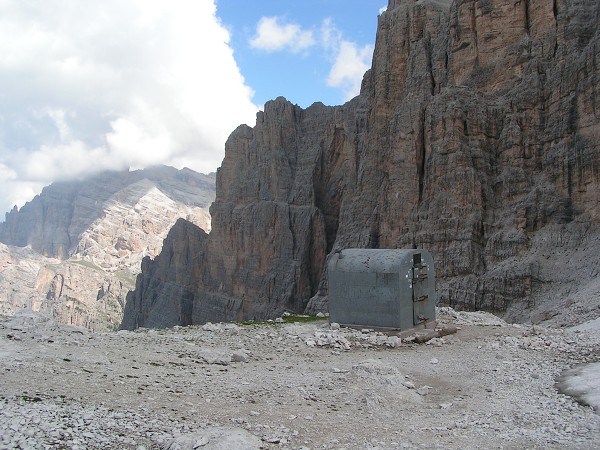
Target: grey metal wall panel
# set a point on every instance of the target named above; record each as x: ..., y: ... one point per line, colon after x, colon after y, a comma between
x: 374, y: 287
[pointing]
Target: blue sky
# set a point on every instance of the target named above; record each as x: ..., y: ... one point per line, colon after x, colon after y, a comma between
x: 115, y: 84
x: 300, y: 75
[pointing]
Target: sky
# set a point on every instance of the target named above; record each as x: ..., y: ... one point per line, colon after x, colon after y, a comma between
x: 90, y: 86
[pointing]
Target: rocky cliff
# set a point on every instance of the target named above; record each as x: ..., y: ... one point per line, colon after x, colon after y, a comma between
x: 169, y: 282
x: 476, y: 135
x: 77, y: 247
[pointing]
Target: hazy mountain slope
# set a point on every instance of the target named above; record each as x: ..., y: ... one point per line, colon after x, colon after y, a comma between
x: 53, y: 221
x: 97, y: 230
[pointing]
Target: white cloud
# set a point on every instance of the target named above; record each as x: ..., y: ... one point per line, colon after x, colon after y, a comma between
x: 350, y: 62
x: 382, y: 9
x: 88, y: 86
x: 11, y: 188
x: 350, y: 65
x: 330, y: 36
x: 272, y: 36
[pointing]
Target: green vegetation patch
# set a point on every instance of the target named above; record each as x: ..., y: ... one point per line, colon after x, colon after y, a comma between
x: 303, y: 319
x: 126, y: 277
x: 85, y: 263
x: 286, y: 319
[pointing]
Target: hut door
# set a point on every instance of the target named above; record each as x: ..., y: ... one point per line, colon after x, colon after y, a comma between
x: 420, y: 293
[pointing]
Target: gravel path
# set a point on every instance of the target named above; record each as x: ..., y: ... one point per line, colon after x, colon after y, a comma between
x: 280, y: 385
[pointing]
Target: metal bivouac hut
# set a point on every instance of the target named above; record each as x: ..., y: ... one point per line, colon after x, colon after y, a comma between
x: 381, y: 288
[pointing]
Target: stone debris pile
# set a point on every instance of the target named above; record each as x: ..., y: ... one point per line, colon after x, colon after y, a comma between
x: 40, y: 422
x: 343, y: 338
x: 215, y: 438
x: 333, y: 339
x: 445, y: 314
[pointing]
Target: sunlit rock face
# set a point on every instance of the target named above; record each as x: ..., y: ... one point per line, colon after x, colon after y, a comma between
x: 476, y: 135
x: 77, y: 247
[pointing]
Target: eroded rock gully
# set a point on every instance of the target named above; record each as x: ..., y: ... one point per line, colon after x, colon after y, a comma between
x: 476, y: 135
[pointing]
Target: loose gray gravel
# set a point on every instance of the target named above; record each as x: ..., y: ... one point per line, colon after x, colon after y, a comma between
x: 291, y: 386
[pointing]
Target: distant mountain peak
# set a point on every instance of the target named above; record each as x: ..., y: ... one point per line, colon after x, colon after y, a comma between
x: 76, y: 248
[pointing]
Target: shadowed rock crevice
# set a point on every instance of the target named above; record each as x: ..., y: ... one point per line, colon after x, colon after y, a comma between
x: 329, y: 181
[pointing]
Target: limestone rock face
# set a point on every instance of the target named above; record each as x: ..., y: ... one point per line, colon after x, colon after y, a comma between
x: 133, y: 224
x: 476, y: 135
x: 19, y: 268
x: 165, y: 290
x: 277, y: 208
x: 77, y: 248
x: 55, y: 222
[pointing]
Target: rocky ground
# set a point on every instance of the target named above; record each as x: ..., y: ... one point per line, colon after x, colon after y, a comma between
x: 294, y: 385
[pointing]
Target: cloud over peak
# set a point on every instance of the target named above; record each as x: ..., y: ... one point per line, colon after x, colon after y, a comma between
x: 89, y: 86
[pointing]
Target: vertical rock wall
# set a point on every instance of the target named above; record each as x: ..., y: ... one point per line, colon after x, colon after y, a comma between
x: 476, y: 136
x: 168, y: 283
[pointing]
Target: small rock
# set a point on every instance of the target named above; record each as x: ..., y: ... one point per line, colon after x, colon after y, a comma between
x: 239, y: 356
x: 434, y: 361
x: 424, y: 390
x: 393, y: 341
x: 215, y: 437
x: 211, y: 327
x: 201, y: 442
x: 436, y: 341
x: 210, y: 357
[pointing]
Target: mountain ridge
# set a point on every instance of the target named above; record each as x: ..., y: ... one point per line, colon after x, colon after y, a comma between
x: 77, y: 247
